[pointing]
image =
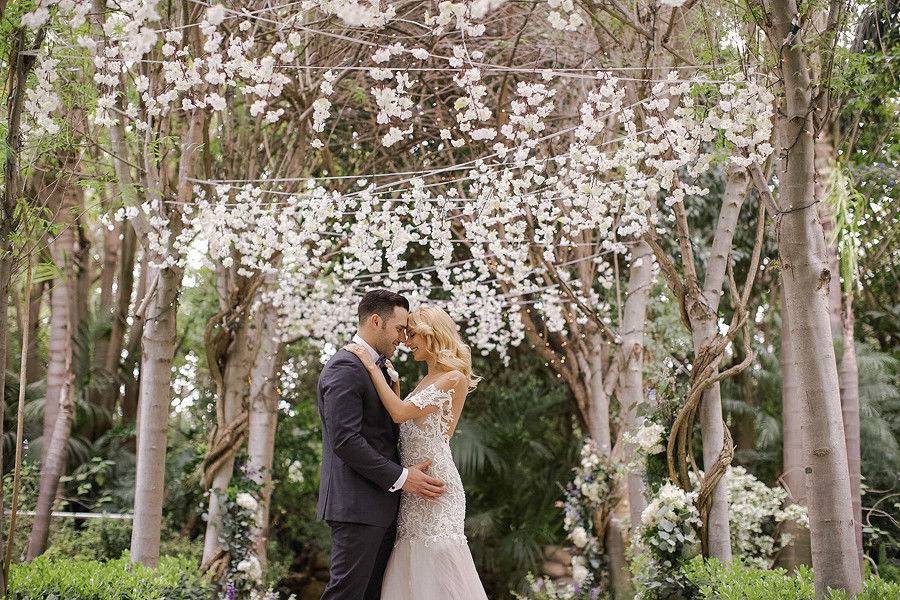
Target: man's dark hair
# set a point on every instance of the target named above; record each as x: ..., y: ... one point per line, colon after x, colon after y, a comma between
x: 381, y: 303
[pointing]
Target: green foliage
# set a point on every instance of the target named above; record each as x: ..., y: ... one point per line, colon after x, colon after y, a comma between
x: 97, y: 539
x: 516, y: 444
x: 735, y: 581
x: 78, y: 579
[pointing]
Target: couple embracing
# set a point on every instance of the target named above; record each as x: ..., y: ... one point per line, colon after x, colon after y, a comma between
x: 396, y: 516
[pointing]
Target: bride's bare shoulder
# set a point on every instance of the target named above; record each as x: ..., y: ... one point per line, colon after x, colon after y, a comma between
x: 451, y: 380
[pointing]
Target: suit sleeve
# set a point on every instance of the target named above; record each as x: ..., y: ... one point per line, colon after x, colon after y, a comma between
x: 343, y: 412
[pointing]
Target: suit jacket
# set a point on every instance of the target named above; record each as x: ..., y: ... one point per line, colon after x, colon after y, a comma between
x: 360, y: 461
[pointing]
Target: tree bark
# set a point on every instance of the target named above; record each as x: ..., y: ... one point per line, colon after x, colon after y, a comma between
x: 263, y: 421
x: 120, y: 300
x: 806, y: 275
x: 841, y: 317
x: 631, y: 374
x: 62, y: 311
x: 158, y: 346
x: 60, y: 400
x: 34, y: 369
x: 20, y: 65
x: 704, y: 320
x: 157, y: 353
x: 798, y: 552
x: 849, y: 378
x: 620, y: 581
x: 131, y: 380
x: 235, y: 396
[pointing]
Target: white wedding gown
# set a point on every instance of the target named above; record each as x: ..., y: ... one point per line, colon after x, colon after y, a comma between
x: 431, y: 558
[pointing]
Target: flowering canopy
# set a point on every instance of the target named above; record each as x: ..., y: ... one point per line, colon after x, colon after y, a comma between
x: 484, y: 227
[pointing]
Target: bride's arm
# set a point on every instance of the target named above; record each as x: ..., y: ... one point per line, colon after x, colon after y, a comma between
x: 399, y: 410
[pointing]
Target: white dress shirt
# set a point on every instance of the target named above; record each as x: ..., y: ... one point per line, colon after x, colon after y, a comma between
x: 358, y: 339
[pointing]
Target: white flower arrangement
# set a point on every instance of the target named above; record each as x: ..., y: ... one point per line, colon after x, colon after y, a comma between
x: 247, y: 502
x: 757, y: 536
x: 251, y: 568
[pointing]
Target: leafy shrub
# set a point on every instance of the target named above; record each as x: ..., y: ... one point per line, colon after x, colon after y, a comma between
x: 73, y: 579
x: 736, y: 581
x: 98, y: 539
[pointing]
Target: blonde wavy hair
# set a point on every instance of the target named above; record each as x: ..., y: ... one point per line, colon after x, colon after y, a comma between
x: 442, y: 340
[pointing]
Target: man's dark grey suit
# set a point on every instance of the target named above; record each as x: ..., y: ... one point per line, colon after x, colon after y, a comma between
x: 360, y: 463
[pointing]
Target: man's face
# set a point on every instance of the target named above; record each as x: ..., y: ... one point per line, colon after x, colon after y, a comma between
x: 391, y: 332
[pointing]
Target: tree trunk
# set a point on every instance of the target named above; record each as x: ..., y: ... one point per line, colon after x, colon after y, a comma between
x: 263, y: 421
x: 806, y: 275
x: 34, y: 369
x: 234, y: 398
x: 620, y: 581
x: 52, y: 470
x: 631, y: 375
x: 6, y: 264
x: 104, y: 310
x: 849, y: 378
x: 62, y: 312
x: 824, y: 161
x: 131, y: 380
x: 157, y: 352
x: 599, y: 399
x: 840, y: 313
x: 111, y: 355
x: 60, y: 399
x: 158, y: 341
x: 798, y: 552
x: 704, y: 319
x: 11, y: 191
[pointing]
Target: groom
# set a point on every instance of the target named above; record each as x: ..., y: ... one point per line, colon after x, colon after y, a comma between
x: 359, y: 491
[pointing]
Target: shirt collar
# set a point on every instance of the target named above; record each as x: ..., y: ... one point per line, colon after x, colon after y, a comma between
x: 358, y: 339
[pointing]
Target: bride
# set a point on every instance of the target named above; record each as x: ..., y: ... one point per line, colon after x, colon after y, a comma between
x: 431, y: 558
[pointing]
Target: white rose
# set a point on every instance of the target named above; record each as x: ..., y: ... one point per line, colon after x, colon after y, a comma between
x: 250, y: 566
x: 579, y: 537
x: 247, y: 501
x: 579, y: 573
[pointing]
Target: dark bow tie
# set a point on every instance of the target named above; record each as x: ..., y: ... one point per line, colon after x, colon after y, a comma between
x: 379, y: 362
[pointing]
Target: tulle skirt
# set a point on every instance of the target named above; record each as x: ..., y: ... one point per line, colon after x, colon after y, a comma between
x: 431, y: 571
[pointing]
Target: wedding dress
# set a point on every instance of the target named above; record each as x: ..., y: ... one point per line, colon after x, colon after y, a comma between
x: 431, y: 558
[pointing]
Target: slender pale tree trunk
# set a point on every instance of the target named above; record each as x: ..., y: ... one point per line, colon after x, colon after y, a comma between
x: 59, y: 403
x: 704, y: 319
x: 263, y: 421
x: 599, y: 398
x: 130, y: 374
x: 157, y: 352
x: 798, y: 552
x: 62, y: 317
x: 631, y: 374
x: 235, y: 397
x: 849, y: 378
x: 110, y: 353
x: 840, y: 313
x: 620, y: 584
x: 104, y: 309
x: 804, y: 263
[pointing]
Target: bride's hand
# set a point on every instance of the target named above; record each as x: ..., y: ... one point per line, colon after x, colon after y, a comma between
x: 363, y: 355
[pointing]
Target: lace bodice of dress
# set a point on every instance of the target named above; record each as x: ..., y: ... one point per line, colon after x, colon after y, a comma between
x: 427, y: 438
